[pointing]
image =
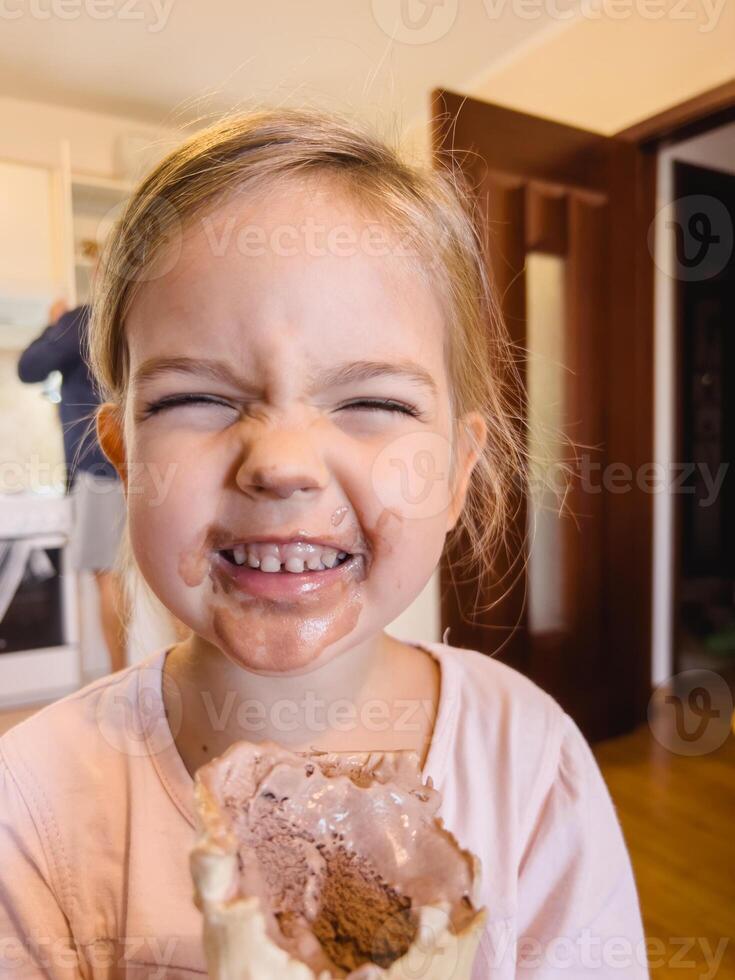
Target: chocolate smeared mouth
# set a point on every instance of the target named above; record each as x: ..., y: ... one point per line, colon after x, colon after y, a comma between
x: 332, y: 860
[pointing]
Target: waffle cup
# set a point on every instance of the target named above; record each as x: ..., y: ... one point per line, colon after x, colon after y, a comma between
x: 242, y: 936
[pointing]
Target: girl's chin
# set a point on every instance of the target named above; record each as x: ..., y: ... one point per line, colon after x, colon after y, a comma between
x: 266, y: 638
x: 278, y: 622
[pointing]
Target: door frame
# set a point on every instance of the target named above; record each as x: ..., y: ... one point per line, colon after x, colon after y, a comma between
x: 694, y: 117
x: 703, y: 112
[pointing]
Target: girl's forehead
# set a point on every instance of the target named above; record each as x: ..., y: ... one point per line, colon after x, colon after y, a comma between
x: 296, y: 269
x: 312, y: 221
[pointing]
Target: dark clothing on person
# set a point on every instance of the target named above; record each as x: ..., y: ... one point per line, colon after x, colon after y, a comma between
x: 60, y: 348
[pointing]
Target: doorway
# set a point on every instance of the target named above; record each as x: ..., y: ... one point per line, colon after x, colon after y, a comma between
x: 570, y: 215
x: 696, y: 327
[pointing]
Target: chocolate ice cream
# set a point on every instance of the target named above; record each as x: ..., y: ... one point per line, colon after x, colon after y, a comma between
x: 340, y: 855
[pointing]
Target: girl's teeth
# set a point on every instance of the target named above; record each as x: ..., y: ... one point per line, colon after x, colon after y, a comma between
x: 270, y: 563
x: 293, y: 557
x: 329, y: 557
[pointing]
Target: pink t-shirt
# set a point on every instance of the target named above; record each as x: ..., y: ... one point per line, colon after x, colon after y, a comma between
x: 96, y: 823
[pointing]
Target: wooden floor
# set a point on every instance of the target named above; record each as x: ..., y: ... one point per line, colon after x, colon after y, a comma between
x: 678, y: 816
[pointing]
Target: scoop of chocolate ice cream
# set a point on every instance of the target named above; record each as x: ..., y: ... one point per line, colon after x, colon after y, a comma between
x: 333, y: 863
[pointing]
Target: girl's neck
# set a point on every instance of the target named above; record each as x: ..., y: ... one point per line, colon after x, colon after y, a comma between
x: 382, y: 694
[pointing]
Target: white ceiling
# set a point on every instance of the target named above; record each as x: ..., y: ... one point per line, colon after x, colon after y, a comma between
x: 210, y: 56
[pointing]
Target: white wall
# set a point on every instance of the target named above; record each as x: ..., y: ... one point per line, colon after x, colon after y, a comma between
x: 32, y: 132
x: 715, y: 149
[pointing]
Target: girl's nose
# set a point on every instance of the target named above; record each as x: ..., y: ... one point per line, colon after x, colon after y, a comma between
x: 279, y: 464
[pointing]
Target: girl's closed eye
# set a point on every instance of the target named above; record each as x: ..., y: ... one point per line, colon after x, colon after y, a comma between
x: 384, y: 404
x: 185, y: 398
x: 189, y: 398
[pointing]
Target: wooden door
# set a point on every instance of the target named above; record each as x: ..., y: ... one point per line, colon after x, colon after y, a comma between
x: 563, y: 236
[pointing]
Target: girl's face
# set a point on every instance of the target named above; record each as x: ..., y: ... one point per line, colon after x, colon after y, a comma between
x: 288, y: 406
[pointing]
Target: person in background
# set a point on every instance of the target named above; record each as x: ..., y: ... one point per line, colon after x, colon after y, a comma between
x: 97, y: 492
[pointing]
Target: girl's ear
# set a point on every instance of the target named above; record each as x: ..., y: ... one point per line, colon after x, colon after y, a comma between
x: 472, y: 430
x: 110, y: 437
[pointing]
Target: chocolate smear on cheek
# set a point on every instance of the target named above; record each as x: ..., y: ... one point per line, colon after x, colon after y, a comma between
x: 338, y: 516
x: 194, y: 563
x: 387, y: 530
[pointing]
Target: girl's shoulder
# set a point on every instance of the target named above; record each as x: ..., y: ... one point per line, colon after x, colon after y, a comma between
x: 97, y: 729
x: 493, y: 693
x: 522, y: 790
x: 493, y: 721
x: 88, y: 821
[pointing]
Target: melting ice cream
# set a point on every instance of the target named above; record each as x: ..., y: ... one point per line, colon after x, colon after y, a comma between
x: 312, y: 866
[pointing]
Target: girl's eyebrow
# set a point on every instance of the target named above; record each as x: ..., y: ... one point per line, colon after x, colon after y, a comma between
x: 365, y: 370
x: 215, y: 370
x: 202, y: 367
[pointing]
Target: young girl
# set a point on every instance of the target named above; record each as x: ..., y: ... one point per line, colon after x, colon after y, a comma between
x: 302, y: 364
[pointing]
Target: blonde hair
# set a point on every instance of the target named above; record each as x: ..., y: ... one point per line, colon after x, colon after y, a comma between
x: 434, y: 206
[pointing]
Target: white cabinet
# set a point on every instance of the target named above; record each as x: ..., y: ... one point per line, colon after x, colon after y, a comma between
x: 26, y: 224
x: 95, y: 204
x: 49, y: 218
x: 31, y: 249
x: 90, y: 207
